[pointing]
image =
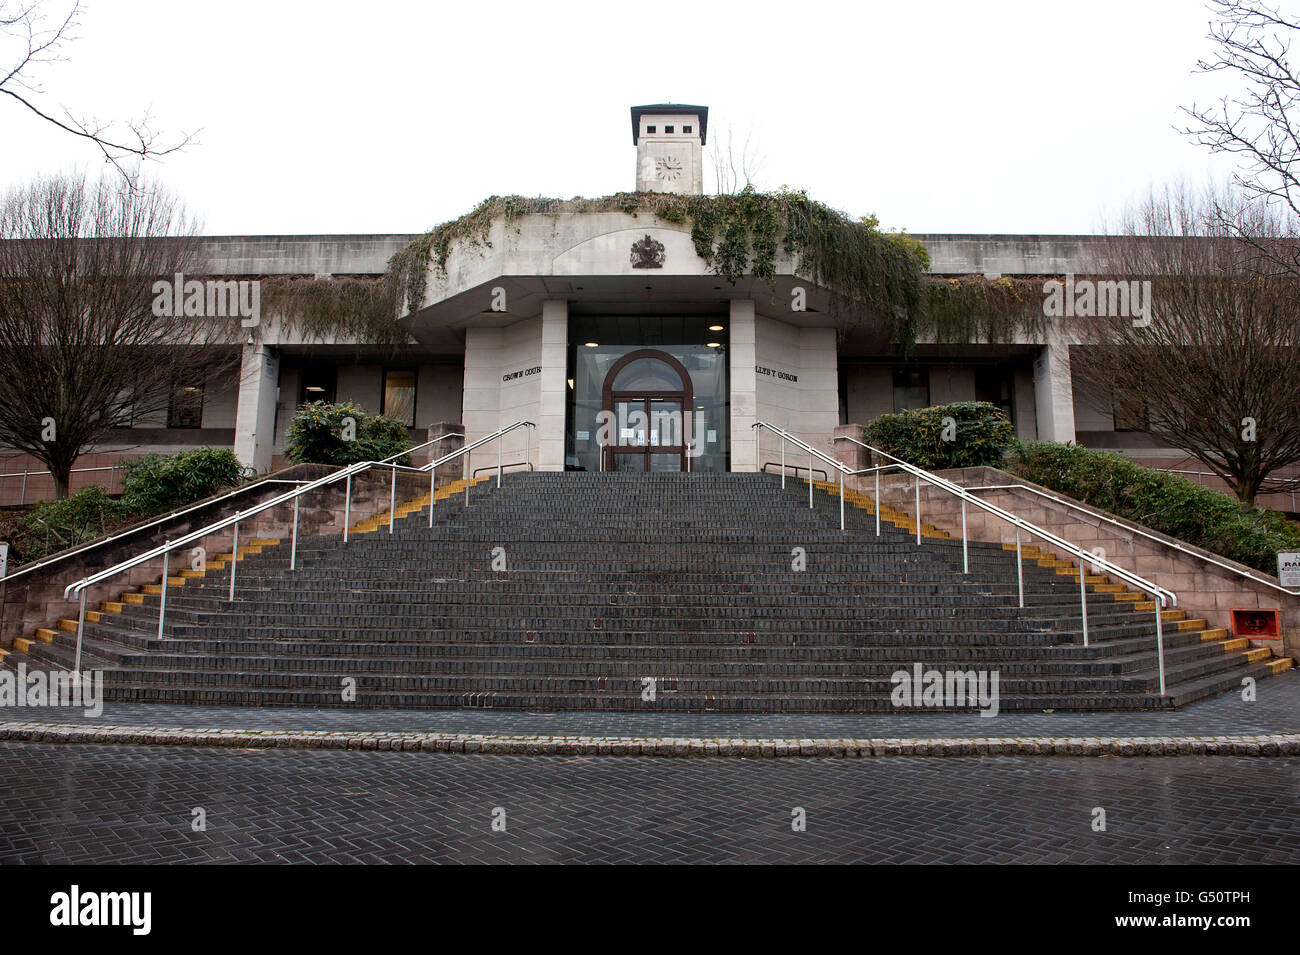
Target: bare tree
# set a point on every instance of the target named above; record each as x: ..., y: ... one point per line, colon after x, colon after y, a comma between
x: 734, y: 167
x: 83, y: 347
x: 30, y: 38
x: 1212, y: 362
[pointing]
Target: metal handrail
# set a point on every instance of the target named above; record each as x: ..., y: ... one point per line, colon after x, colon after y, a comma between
x: 135, y: 528
x: 1084, y: 557
x: 25, y: 474
x: 1174, y: 545
x: 78, y: 588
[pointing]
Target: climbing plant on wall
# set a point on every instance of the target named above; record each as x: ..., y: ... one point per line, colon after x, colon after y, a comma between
x: 876, y: 276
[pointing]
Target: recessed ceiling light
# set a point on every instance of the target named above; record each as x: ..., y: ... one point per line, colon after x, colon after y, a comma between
x: 715, y: 328
x: 713, y: 344
x: 593, y: 344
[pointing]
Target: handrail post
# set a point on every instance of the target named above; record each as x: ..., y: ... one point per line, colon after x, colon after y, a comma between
x: 81, y: 627
x: 1083, y: 600
x: 783, y: 460
x: 347, y: 508
x: 500, y: 441
x: 433, y: 485
x: 162, y: 602
x: 392, y: 501
x: 841, y: 500
x: 810, y: 470
x: 918, y: 509
x: 877, y: 502
x: 1020, y: 569
x: 965, y: 557
x: 234, y: 557
x: 293, y: 547
x: 22, y: 497
x: 1160, y: 642
x: 464, y: 473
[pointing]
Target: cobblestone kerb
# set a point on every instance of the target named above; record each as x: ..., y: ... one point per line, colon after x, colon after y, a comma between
x: 760, y: 748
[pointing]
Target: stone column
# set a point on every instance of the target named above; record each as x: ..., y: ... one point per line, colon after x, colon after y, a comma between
x: 548, y: 447
x: 259, y: 376
x: 1054, y: 390
x: 744, y: 386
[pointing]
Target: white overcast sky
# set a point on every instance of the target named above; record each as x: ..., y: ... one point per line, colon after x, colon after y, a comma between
x: 938, y: 116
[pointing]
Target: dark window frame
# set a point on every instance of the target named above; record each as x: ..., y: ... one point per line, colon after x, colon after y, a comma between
x: 174, y: 413
x: 415, y: 387
x: 908, y: 370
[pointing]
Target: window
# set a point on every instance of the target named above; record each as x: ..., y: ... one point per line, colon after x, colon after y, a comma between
x: 911, y: 388
x: 668, y: 129
x: 650, y: 129
x: 686, y: 129
x: 185, y: 408
x: 1130, y: 414
x: 997, y: 387
x: 399, y: 395
x: 317, y: 384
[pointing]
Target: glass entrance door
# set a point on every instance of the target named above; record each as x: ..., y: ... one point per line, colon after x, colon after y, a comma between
x: 648, y: 393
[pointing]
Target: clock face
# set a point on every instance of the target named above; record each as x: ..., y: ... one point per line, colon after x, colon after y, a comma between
x: 669, y: 168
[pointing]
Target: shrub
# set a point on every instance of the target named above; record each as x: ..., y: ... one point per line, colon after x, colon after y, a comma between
x: 156, y: 482
x: 1168, y: 503
x: 315, y: 436
x: 976, y: 433
x: 51, y: 526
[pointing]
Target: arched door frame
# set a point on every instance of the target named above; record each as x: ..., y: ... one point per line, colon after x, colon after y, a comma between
x: 610, y: 398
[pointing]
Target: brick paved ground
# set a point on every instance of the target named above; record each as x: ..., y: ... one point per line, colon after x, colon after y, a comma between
x: 1276, y: 710
x: 88, y: 804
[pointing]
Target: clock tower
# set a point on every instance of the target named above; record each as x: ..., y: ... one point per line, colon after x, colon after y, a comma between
x: 669, y: 140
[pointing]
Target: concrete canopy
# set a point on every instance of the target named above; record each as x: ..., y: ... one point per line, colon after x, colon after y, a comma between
x: 587, y: 259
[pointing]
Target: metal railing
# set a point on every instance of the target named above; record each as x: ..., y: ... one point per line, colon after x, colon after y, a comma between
x: 1163, y: 542
x: 22, y: 495
x: 137, y: 528
x: 78, y: 589
x: 1084, y: 558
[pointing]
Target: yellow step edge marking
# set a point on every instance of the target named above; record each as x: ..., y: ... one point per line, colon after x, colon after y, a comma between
x: 1258, y: 653
x: 1218, y: 633
x: 93, y: 616
x: 45, y: 635
x: 68, y: 626
x: 22, y: 644
x: 1280, y: 665
x: 111, y: 606
x: 1237, y: 643
x: 133, y: 598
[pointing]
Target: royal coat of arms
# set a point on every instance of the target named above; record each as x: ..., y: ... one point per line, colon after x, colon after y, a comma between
x: 648, y: 253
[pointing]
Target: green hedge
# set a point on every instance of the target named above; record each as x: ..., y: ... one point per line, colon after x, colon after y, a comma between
x: 152, y: 484
x: 316, y: 435
x: 157, y: 482
x: 1168, y: 503
x: 977, y: 433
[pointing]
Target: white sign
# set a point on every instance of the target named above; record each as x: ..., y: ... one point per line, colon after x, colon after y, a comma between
x: 4, y: 559
x: 1288, y: 570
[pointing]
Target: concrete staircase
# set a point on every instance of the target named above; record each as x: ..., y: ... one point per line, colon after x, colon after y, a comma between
x: 579, y: 590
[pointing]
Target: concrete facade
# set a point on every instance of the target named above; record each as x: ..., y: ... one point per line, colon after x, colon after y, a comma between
x: 490, y: 343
